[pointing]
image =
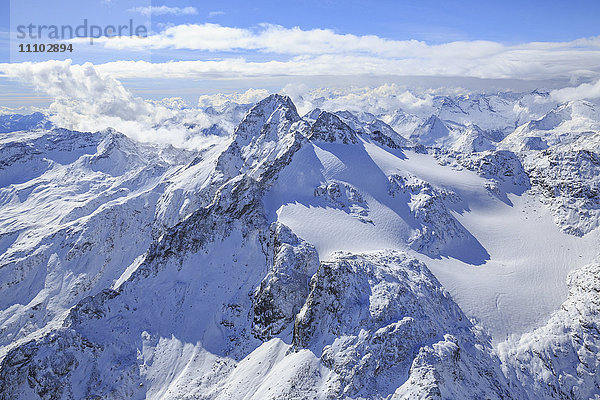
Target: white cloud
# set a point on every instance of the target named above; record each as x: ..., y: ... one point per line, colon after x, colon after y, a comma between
x: 277, y: 39
x: 213, y: 14
x: 381, y: 99
x: 164, y: 10
x: 19, y: 110
x: 87, y: 100
x: 504, y: 66
x: 250, y: 96
x: 297, y: 52
x: 581, y: 92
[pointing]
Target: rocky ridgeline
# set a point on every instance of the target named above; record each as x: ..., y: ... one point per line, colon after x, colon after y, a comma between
x: 163, y: 276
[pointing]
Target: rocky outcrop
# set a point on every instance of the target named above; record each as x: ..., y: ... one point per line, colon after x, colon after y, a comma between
x: 283, y: 291
x: 378, y: 319
x: 560, y: 359
x: 330, y: 128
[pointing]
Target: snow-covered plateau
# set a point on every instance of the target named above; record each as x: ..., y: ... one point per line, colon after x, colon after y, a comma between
x: 450, y: 253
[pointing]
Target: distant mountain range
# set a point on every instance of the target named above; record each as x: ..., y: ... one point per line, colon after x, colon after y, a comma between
x: 450, y: 253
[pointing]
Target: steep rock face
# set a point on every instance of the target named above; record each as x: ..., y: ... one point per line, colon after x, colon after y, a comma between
x: 330, y: 128
x: 568, y: 179
x: 371, y: 317
x: 502, y: 168
x: 267, y: 118
x: 170, y: 280
x: 454, y: 369
x: 500, y: 165
x: 345, y: 197
x: 560, y: 359
x: 267, y: 131
x: 65, y: 365
x: 283, y: 291
x: 116, y: 322
x: 73, y: 230
x: 372, y: 128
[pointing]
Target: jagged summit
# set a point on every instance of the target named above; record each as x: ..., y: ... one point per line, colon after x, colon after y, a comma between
x: 270, y: 128
x: 313, y: 114
x: 330, y: 128
x: 265, y: 117
x: 433, y: 131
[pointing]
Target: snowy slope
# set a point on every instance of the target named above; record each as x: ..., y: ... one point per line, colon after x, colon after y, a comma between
x: 303, y: 257
x: 489, y: 248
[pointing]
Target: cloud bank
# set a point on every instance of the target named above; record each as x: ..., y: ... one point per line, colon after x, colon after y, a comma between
x: 87, y: 100
x: 583, y: 91
x: 297, y: 52
x: 250, y: 96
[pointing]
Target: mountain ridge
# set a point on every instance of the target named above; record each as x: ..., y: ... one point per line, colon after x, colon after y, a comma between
x: 299, y: 258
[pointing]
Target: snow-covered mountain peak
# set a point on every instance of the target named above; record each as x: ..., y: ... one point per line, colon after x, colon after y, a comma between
x: 269, y: 129
x: 312, y: 115
x: 274, y: 110
x: 330, y: 128
x: 372, y: 128
x: 433, y: 131
x: 563, y: 124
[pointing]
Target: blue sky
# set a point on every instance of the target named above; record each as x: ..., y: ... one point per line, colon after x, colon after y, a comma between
x: 433, y: 21
x: 508, y: 21
x: 227, y: 46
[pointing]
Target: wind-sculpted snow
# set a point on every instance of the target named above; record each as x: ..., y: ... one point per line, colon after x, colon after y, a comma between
x: 292, y: 259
